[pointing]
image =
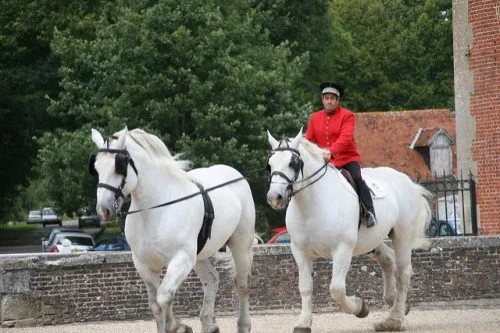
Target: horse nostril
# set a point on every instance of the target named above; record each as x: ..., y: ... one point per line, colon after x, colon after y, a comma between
x: 108, y: 212
x: 279, y: 197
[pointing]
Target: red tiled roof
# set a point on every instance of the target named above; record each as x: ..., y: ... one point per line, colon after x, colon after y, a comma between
x: 384, y: 138
x: 426, y: 135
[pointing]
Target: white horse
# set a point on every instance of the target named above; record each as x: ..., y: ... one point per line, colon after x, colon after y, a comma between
x: 322, y: 219
x: 138, y: 163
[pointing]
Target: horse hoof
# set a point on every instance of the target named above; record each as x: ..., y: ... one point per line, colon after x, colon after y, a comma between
x: 302, y: 330
x: 389, y: 325
x: 407, y: 308
x: 184, y: 329
x: 364, y: 311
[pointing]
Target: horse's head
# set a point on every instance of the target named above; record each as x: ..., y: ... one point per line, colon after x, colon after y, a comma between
x: 284, y: 165
x: 116, y: 170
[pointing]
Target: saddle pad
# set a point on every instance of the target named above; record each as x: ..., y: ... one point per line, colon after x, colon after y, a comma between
x: 376, y: 189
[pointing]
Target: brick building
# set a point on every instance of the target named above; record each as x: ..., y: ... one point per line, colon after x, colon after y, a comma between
x: 476, y: 37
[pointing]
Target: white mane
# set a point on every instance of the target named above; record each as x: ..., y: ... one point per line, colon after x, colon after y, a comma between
x: 159, y: 153
x: 311, y: 148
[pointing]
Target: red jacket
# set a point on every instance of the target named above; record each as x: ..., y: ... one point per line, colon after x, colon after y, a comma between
x: 336, y: 133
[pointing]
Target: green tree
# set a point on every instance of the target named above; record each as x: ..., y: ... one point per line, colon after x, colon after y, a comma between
x: 63, y: 160
x: 28, y: 74
x: 403, y: 57
x: 202, y: 76
x: 311, y: 30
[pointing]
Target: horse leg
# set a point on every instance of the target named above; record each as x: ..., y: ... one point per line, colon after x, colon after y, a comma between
x: 152, y: 281
x: 403, y: 274
x: 304, y: 264
x: 177, y: 271
x: 243, y: 258
x: 350, y: 304
x: 386, y: 258
x: 209, y: 278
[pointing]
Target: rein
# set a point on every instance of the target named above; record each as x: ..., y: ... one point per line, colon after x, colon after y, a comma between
x: 294, y: 181
x: 314, y: 181
x: 122, y: 160
x: 187, y: 196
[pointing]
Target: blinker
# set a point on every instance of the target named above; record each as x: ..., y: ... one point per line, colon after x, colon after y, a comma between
x: 121, y: 162
x: 91, y: 166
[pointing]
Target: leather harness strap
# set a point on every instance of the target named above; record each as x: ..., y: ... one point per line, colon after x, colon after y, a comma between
x: 208, y: 218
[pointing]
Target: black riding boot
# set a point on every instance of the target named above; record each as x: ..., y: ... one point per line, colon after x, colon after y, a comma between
x: 366, y: 199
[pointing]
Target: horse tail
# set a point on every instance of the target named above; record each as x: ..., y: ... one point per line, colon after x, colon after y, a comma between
x: 423, y: 219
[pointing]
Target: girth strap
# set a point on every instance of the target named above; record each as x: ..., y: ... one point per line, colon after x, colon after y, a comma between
x: 208, y: 218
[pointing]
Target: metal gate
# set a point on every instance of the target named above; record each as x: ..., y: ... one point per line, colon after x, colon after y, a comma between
x: 453, y: 206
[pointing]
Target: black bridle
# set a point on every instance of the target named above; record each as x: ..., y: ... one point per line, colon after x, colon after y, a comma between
x: 122, y: 161
x: 297, y: 165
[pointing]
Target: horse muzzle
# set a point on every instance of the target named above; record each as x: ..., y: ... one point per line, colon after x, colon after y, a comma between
x: 277, y: 201
x: 106, y: 213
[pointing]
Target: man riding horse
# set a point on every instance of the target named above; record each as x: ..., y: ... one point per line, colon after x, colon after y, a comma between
x: 333, y: 128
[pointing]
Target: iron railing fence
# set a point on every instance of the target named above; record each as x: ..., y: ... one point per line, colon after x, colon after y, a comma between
x: 453, y: 206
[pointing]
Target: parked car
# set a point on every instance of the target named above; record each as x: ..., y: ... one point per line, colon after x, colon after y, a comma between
x: 53, y: 233
x: 112, y: 243
x: 34, y: 216
x: 440, y: 228
x: 88, y: 218
x: 49, y: 216
x: 78, y: 242
x: 45, y: 216
x: 281, y: 236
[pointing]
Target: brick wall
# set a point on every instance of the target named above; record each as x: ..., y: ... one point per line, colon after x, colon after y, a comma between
x: 484, y: 62
x: 49, y: 289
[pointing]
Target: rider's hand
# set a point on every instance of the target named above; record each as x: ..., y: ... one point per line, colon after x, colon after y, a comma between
x: 327, y: 156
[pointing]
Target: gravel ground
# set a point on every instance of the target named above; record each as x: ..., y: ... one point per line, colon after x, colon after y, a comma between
x: 421, y: 320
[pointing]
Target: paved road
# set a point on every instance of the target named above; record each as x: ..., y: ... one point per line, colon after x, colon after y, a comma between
x: 422, y: 320
x: 34, y: 239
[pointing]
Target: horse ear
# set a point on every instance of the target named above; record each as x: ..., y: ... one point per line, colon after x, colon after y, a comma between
x: 296, y: 140
x: 272, y: 141
x: 121, y: 138
x: 97, y: 138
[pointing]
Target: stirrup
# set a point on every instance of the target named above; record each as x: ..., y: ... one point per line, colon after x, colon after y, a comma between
x: 370, y: 219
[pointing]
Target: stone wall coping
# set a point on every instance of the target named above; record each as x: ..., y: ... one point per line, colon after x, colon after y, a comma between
x: 56, y: 261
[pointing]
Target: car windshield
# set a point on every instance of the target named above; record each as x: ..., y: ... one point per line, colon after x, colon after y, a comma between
x: 76, y: 240
x: 112, y: 244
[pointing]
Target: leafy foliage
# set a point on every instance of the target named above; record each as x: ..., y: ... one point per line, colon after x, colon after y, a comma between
x: 63, y: 159
x: 404, y: 53
x: 204, y: 78
x: 310, y: 29
x: 29, y: 74
x: 208, y: 78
